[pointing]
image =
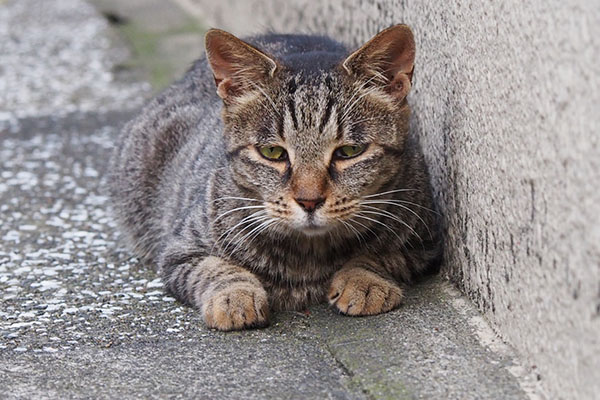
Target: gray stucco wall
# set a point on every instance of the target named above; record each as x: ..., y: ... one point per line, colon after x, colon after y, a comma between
x: 506, y: 96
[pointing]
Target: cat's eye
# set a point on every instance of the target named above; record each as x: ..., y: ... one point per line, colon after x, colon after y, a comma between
x: 349, y: 151
x: 274, y: 153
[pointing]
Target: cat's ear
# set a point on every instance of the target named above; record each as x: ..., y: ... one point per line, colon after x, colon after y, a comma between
x: 236, y: 65
x: 387, y: 59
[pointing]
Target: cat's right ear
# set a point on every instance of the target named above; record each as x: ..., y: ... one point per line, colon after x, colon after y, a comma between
x: 237, y: 66
x: 387, y: 59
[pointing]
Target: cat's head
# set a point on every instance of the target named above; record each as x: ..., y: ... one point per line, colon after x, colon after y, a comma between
x: 312, y: 134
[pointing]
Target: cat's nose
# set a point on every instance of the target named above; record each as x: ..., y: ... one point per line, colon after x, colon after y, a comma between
x: 310, y: 205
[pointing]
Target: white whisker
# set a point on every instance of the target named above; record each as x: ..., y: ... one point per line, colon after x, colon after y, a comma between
x: 234, y: 210
x: 250, y: 218
x: 359, y: 215
x: 388, y: 214
x: 390, y: 191
x: 234, y: 198
x: 353, y: 230
x: 249, y: 225
x: 260, y: 228
x: 351, y: 220
x: 401, y: 206
x: 396, y: 202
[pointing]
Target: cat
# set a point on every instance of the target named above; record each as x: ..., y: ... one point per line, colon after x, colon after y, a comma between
x: 280, y: 172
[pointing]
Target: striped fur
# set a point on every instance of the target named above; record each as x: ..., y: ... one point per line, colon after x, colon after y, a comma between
x: 225, y: 226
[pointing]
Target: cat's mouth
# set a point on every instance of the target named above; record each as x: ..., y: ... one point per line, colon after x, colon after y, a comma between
x: 310, y: 224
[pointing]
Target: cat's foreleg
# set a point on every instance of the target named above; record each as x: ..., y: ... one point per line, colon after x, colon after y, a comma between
x: 359, y: 289
x: 229, y: 297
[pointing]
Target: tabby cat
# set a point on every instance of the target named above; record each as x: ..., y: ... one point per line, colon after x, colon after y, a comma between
x: 278, y: 173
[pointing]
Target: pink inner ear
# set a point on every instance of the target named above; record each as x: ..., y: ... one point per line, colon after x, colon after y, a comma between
x: 220, y: 58
x: 391, y: 53
x: 397, y: 48
x: 224, y: 62
x: 235, y: 62
x: 222, y: 72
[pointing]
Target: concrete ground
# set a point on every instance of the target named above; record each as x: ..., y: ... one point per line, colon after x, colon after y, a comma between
x: 81, y: 318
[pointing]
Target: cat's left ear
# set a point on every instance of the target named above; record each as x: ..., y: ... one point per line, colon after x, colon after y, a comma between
x: 387, y: 59
x: 237, y: 66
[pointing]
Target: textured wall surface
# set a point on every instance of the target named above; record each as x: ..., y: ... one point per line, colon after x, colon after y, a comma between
x: 506, y: 97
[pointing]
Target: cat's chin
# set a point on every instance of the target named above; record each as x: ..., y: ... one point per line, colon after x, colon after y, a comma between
x: 314, y: 230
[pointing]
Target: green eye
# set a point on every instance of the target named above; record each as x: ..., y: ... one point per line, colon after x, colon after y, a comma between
x: 349, y: 151
x: 273, y: 152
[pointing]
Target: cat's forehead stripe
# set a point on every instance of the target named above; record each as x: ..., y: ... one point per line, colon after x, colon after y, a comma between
x: 340, y: 126
x: 327, y: 114
x: 311, y: 104
x: 292, y: 110
x: 281, y: 127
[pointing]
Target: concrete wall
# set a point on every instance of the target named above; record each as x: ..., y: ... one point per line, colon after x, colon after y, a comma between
x: 506, y: 97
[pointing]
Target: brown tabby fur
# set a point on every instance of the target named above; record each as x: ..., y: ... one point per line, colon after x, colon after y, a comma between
x: 236, y: 234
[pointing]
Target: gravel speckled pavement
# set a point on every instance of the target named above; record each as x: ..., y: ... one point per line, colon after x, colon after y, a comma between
x: 81, y: 318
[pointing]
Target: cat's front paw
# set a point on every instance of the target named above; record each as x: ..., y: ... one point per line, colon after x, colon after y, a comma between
x: 239, y: 306
x: 356, y: 291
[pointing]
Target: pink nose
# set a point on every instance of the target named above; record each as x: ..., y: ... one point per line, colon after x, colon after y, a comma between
x: 310, y: 205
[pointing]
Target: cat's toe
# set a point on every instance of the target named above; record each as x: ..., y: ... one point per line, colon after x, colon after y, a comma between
x: 356, y: 291
x: 237, y: 307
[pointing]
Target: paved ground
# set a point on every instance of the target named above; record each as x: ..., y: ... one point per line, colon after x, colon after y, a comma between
x: 58, y: 58
x: 81, y: 318
x: 164, y: 39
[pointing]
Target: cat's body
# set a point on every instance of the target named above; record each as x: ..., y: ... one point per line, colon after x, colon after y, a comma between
x: 182, y: 167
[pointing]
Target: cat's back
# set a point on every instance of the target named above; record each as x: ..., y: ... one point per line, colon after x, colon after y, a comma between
x: 150, y: 144
x: 281, y: 45
x: 303, y: 53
